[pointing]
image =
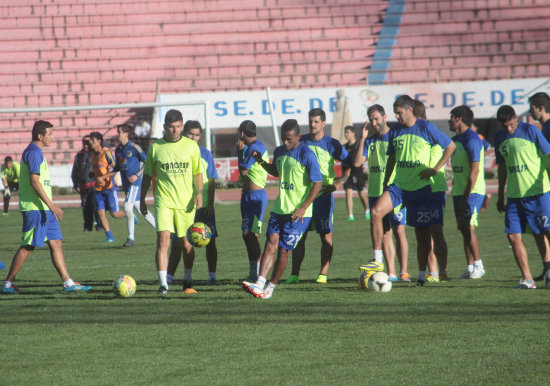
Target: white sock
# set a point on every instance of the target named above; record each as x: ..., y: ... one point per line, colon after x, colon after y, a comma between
x: 421, y: 275
x: 67, y: 283
x: 367, y: 211
x: 162, y: 278
x: 211, y: 275
x: 478, y: 263
x: 7, y: 284
x: 261, y: 281
x: 378, y: 255
x: 470, y: 268
x: 435, y: 274
x: 130, y: 223
x: 187, y: 274
x: 270, y: 287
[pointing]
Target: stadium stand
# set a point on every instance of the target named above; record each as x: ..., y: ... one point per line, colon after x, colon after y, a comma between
x: 76, y: 52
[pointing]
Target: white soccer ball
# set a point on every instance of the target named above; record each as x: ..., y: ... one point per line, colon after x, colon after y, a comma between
x: 547, y: 279
x: 380, y: 282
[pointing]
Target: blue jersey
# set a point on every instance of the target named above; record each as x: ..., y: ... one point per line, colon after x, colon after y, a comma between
x: 327, y: 150
x: 209, y: 171
x: 129, y: 161
x: 546, y: 130
x: 256, y: 173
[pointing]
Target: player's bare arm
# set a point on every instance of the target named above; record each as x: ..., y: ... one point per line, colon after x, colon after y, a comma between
x: 390, y: 165
x: 430, y: 172
x: 145, y: 185
x: 502, y: 177
x: 199, y: 186
x: 269, y: 167
x: 37, y: 186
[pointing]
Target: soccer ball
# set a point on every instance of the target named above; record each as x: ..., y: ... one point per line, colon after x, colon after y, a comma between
x: 363, y: 280
x: 379, y: 282
x: 547, y: 279
x: 124, y: 286
x: 199, y: 234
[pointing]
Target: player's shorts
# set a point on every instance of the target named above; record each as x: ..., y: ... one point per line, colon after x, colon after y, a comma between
x: 39, y: 226
x: 290, y: 232
x: 323, y: 213
x: 392, y: 219
x: 473, y: 207
x: 170, y: 219
x: 438, y: 207
x: 253, y: 204
x: 14, y: 186
x: 132, y: 194
x: 107, y: 200
x: 533, y: 211
x: 417, y: 202
x: 200, y: 216
x: 355, y: 182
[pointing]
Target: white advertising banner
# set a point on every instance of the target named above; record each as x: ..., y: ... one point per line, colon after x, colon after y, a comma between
x: 229, y: 109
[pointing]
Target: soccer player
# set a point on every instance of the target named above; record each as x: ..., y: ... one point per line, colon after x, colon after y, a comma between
x: 300, y: 180
x: 409, y: 150
x: 106, y: 189
x: 130, y: 159
x: 522, y: 171
x: 206, y: 214
x: 438, y: 253
x: 40, y: 214
x: 374, y: 148
x: 253, y: 196
x: 10, y: 179
x: 468, y: 186
x: 327, y: 150
x: 540, y: 111
x: 356, y: 179
x: 175, y: 161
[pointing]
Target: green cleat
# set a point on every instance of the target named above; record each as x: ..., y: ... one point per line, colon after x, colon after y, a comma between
x: 321, y: 279
x: 372, y: 266
x: 292, y: 279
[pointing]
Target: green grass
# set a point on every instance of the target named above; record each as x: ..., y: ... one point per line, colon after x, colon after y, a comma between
x: 460, y: 332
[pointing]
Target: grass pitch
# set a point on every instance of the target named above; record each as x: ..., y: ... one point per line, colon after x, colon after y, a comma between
x: 459, y: 332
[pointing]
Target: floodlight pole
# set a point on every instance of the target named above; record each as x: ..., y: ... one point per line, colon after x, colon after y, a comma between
x: 273, y: 120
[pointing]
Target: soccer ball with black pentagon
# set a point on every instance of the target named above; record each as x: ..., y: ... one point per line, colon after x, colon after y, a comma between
x: 124, y: 286
x: 199, y: 234
x: 379, y: 282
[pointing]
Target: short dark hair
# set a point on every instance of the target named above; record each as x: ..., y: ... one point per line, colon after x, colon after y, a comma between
x: 505, y: 113
x: 374, y: 108
x: 317, y: 112
x: 419, y: 109
x: 350, y: 128
x: 404, y: 101
x: 97, y: 135
x: 40, y: 128
x: 172, y: 116
x: 465, y: 113
x: 540, y: 99
x: 8, y: 159
x: 125, y: 127
x: 248, y: 128
x: 291, y: 125
x: 191, y: 125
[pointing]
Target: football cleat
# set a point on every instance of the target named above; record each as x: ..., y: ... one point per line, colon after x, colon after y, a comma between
x: 393, y: 277
x: 465, y: 275
x: 110, y: 240
x: 163, y: 290
x: 12, y: 290
x: 432, y: 279
x: 525, y: 284
x: 540, y: 277
x: 372, y: 266
x: 351, y: 218
x: 321, y: 279
x: 188, y: 287
x: 477, y: 273
x: 77, y: 287
x: 292, y: 279
x: 367, y: 215
x: 420, y: 282
x: 404, y: 276
x: 443, y: 276
x: 129, y: 243
x: 213, y: 281
x: 253, y: 289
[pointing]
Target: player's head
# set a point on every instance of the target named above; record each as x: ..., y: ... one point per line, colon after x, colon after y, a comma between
x: 462, y: 117
x: 96, y: 141
x: 173, y: 125
x: 124, y: 132
x: 193, y: 130
x: 506, y: 115
x: 247, y: 131
x: 290, y: 134
x: 349, y: 133
x: 403, y: 107
x: 419, y: 109
x: 377, y: 118
x: 42, y: 132
x: 86, y: 142
x: 8, y: 161
x: 539, y: 104
x: 317, y: 120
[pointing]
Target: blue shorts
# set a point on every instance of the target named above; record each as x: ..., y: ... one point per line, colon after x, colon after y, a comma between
x: 107, y: 200
x: 392, y: 219
x: 438, y: 207
x: 533, y: 211
x: 39, y: 226
x: 200, y: 216
x: 417, y: 202
x: 253, y: 204
x: 290, y: 232
x: 473, y: 207
x: 323, y: 212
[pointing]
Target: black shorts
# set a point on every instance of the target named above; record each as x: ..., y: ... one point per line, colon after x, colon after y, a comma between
x: 355, y: 182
